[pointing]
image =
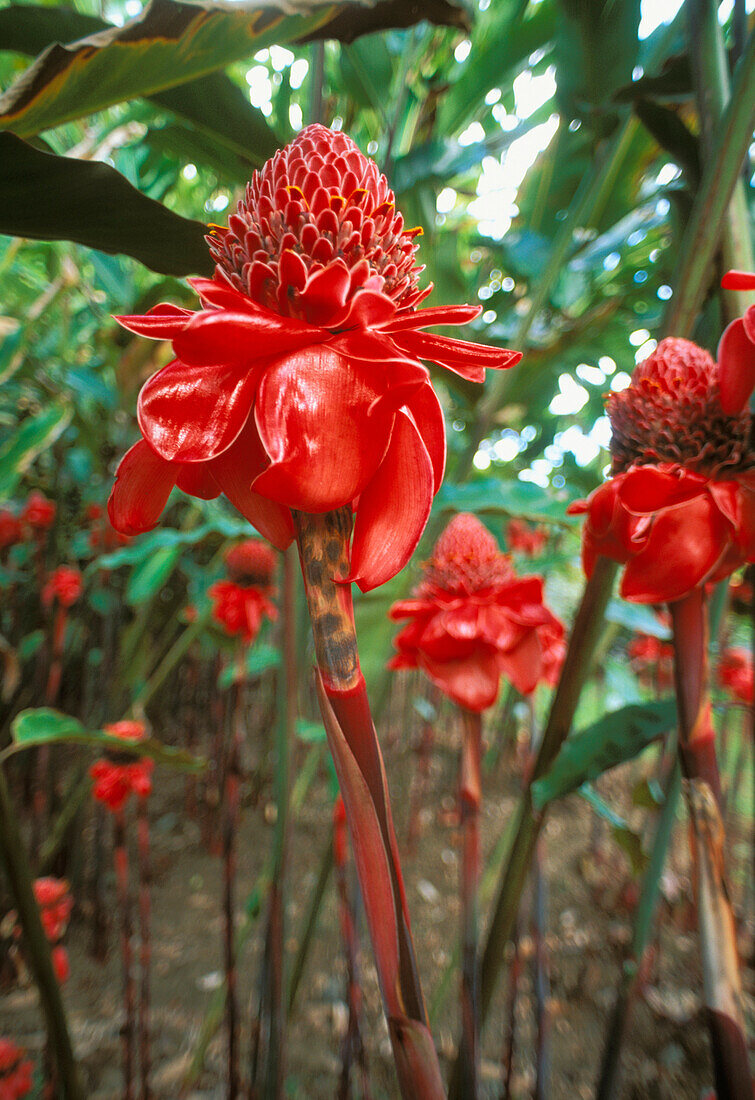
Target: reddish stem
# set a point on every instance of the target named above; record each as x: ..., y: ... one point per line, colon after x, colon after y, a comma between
x: 353, y: 1047
x: 423, y: 752
x: 120, y: 856
x: 145, y: 953
x: 230, y: 823
x: 470, y: 797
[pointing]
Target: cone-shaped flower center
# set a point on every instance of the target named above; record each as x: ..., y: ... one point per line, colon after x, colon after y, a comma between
x: 318, y: 204
x: 672, y: 412
x: 466, y: 559
x: 251, y: 562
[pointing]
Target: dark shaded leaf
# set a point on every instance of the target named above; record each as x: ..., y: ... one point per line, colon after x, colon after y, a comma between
x: 596, y: 50
x: 673, y: 82
x: 669, y: 131
x: 48, y: 197
x: 35, y: 435
x: 150, y: 575
x: 613, y: 739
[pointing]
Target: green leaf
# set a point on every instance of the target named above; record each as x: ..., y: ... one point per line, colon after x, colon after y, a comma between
x: 35, y: 435
x: 597, y: 47
x: 310, y: 732
x: 613, y: 739
x: 637, y: 617
x: 260, y: 658
x: 59, y: 198
x: 45, y: 726
x: 173, y: 42
x: 513, y: 498
x: 150, y: 575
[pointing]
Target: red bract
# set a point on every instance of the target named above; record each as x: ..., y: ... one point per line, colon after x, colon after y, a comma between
x: 239, y: 609
x: 651, y: 657
x: 11, y: 530
x: 736, y: 351
x: 251, y: 562
x: 680, y: 510
x: 55, y: 905
x: 474, y: 620
x: 64, y: 585
x: 38, y: 512
x: 116, y: 779
x: 299, y: 383
x: 15, y: 1071
x: 735, y: 672
x: 525, y: 539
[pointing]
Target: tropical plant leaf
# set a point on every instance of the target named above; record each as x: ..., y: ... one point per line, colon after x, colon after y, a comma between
x: 637, y: 617
x: 149, y: 576
x: 35, y: 435
x: 596, y: 49
x: 173, y: 42
x: 512, y: 498
x: 45, y: 726
x: 613, y: 739
x: 260, y: 658
x: 48, y: 197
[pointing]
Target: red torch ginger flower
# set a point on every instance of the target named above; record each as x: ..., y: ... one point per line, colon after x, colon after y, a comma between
x: 299, y: 384
x: 64, y: 585
x: 55, y: 905
x: 38, y: 512
x: 525, y: 539
x: 679, y: 511
x: 735, y: 673
x: 239, y: 609
x: 736, y: 351
x: 11, y: 530
x: 652, y: 657
x: 251, y: 562
x: 118, y: 776
x: 15, y: 1071
x: 473, y: 620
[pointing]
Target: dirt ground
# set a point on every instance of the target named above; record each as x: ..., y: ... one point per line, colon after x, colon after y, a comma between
x: 589, y: 899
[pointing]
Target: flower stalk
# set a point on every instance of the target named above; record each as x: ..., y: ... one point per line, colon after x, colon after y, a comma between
x: 470, y: 797
x: 120, y: 856
x: 145, y: 946
x: 323, y: 542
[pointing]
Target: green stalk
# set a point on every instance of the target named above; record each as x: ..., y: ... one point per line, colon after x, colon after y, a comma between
x: 15, y: 863
x: 310, y: 923
x: 470, y: 797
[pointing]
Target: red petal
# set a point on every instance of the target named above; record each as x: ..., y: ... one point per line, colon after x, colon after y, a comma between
x: 738, y: 280
x: 683, y: 547
x: 749, y: 323
x: 402, y: 609
x: 163, y: 322
x: 193, y: 413
x: 736, y: 362
x: 324, y: 296
x: 428, y: 418
x: 237, y: 339
x: 313, y: 416
x: 196, y: 479
x: 460, y: 356
x: 649, y: 488
x: 393, y: 509
x: 369, y: 309
x: 235, y: 470
x: 523, y: 666
x: 143, y: 483
x: 471, y: 683
x: 225, y: 297
x: 438, y: 315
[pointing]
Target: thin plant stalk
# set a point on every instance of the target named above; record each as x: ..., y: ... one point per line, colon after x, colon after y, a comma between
x: 230, y: 825
x: 423, y: 751
x: 539, y: 922
x: 323, y: 542
x: 145, y: 946
x: 509, y: 1039
x: 16, y: 866
x: 120, y: 856
x: 353, y: 1046
x: 470, y: 797
x: 722, y: 984
x: 325, y: 867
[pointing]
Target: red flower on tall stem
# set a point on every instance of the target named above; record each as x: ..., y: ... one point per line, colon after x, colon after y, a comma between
x: 251, y: 562
x: 736, y: 351
x: 116, y: 778
x: 679, y: 511
x: 55, y: 904
x: 735, y: 673
x: 38, y: 513
x: 525, y: 539
x: 64, y: 585
x: 240, y: 609
x: 299, y: 384
x: 15, y: 1071
x: 474, y: 620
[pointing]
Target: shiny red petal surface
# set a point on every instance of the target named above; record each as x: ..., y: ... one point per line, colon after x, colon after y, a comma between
x: 224, y: 297
x: 313, y: 417
x: 239, y: 339
x: 369, y: 309
x: 684, y: 545
x: 738, y: 280
x: 647, y: 489
x: 323, y: 299
x: 523, y: 665
x: 463, y: 358
x: 736, y: 361
x: 471, y: 683
x: 436, y: 315
x: 393, y: 509
x: 161, y: 323
x: 749, y: 323
x: 194, y: 413
x: 142, y: 486
x: 196, y: 479
x: 425, y: 408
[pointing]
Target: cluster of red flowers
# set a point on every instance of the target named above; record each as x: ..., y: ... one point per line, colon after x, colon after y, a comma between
x: 652, y: 660
x: 15, y: 1071
x: 34, y: 519
x: 474, y: 620
x: 240, y: 604
x: 736, y: 352
x: 525, y: 539
x: 300, y: 384
x: 55, y: 904
x: 679, y: 511
x: 735, y: 674
x: 64, y: 585
x: 117, y: 777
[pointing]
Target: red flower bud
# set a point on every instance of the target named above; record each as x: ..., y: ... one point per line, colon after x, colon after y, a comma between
x: 240, y: 609
x: 117, y: 777
x: 735, y: 673
x: 251, y: 562
x: 15, y: 1071
x: 64, y: 585
x: 38, y: 512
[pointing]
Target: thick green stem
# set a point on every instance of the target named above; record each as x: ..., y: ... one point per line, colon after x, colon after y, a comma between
x: 15, y: 863
x: 722, y: 984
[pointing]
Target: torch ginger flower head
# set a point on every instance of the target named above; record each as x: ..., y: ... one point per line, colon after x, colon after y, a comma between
x: 251, y: 562
x: 239, y: 609
x: 38, y: 512
x: 63, y: 585
x: 736, y: 351
x: 679, y: 511
x: 473, y: 620
x: 735, y: 673
x: 299, y: 384
x: 116, y: 777
x: 15, y: 1071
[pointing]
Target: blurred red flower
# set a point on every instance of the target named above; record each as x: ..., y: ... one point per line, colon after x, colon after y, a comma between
x: 679, y: 511
x: 102, y: 535
x: 652, y: 658
x: 38, y: 512
x: 474, y: 620
x: 525, y: 539
x: 736, y: 351
x: 117, y: 777
x: 251, y: 562
x: 64, y: 585
x: 735, y: 672
x: 239, y: 609
x: 60, y: 964
x: 11, y: 530
x: 15, y: 1071
x: 299, y: 383
x: 55, y: 905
